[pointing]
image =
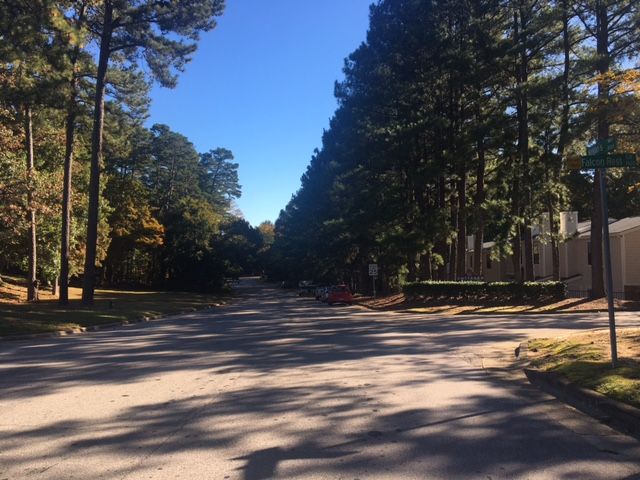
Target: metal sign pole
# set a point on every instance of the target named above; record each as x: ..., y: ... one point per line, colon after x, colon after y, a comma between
x: 600, y: 156
x: 373, y: 273
x: 607, y: 265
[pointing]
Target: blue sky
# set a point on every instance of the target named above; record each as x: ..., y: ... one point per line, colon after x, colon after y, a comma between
x: 261, y: 84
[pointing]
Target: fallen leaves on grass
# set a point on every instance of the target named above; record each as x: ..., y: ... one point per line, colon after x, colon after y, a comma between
x: 110, y: 306
x: 399, y: 301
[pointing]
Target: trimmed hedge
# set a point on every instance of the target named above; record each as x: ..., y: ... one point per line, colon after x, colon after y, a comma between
x: 486, y: 290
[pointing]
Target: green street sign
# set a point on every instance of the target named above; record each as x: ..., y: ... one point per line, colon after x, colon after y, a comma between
x: 602, y: 146
x: 610, y: 161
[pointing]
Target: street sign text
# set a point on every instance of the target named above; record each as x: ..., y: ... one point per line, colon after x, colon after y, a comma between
x: 609, y: 161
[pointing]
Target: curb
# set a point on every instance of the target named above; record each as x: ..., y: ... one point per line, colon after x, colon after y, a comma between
x: 620, y: 416
x: 95, y: 328
x: 527, y: 313
x: 557, y: 312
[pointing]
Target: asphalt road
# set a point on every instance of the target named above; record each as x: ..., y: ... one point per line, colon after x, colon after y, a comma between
x: 275, y: 386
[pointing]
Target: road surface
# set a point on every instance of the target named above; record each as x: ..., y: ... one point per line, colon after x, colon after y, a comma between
x: 274, y: 386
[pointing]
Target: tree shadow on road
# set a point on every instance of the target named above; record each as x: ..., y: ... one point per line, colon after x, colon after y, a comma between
x: 476, y: 437
x: 355, y: 429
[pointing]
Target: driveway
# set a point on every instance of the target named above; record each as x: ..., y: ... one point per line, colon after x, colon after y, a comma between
x: 274, y: 386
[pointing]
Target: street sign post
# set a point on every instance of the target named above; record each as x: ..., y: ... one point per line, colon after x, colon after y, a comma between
x: 607, y: 268
x: 600, y: 156
x: 373, y: 273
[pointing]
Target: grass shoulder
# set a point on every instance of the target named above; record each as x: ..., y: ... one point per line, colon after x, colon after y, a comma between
x: 111, y: 306
x: 584, y: 360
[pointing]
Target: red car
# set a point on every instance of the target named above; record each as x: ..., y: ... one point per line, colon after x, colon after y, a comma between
x: 340, y: 294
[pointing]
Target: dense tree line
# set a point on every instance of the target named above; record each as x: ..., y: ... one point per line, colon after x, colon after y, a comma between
x: 86, y: 190
x: 454, y: 119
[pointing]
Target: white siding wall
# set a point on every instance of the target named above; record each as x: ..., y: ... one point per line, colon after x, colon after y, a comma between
x: 545, y: 266
x: 564, y: 260
x: 492, y: 274
x: 577, y: 262
x: 576, y: 257
x: 616, y: 264
x: 632, y: 258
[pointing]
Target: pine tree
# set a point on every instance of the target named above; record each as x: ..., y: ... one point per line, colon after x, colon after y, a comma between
x: 165, y: 34
x: 614, y: 28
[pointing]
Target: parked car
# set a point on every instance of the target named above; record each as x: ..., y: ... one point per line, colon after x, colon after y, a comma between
x: 320, y: 292
x: 231, y: 281
x: 325, y: 294
x: 306, y: 288
x: 340, y: 294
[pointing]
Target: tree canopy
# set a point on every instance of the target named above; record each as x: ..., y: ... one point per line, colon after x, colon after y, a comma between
x: 101, y: 197
x: 453, y: 120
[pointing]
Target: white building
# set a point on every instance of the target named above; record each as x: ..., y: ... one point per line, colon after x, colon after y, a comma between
x: 575, y: 255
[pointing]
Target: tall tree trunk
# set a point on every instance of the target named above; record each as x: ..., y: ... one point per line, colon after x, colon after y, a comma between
x: 88, y: 285
x: 66, y: 199
x: 517, y: 254
x: 529, y: 275
x: 478, y: 240
x: 597, y: 269
x: 70, y: 125
x: 32, y: 285
x: 441, y: 247
x: 453, y: 248
x: 523, y: 139
x: 553, y: 230
x: 562, y: 141
x: 597, y: 279
x: 461, y: 254
x: 426, y: 272
x: 515, y: 213
x: 566, y: 47
x: 412, y: 274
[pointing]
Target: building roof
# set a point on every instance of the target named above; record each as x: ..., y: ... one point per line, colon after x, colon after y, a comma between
x: 485, y: 246
x: 624, y: 225
x: 616, y: 227
x: 488, y: 245
x: 584, y: 226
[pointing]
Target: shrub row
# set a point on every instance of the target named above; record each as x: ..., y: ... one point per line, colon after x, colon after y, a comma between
x: 486, y: 290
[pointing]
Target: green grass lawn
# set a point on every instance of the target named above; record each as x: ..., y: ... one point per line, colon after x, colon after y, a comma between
x: 109, y: 307
x: 584, y: 360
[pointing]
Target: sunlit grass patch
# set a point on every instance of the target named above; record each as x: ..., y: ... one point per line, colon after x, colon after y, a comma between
x: 585, y: 360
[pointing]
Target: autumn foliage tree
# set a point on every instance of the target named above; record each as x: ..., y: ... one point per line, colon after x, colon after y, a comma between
x: 82, y: 180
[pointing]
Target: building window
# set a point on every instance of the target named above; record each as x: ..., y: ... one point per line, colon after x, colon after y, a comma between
x: 488, y: 262
x: 589, y: 253
x: 536, y: 255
